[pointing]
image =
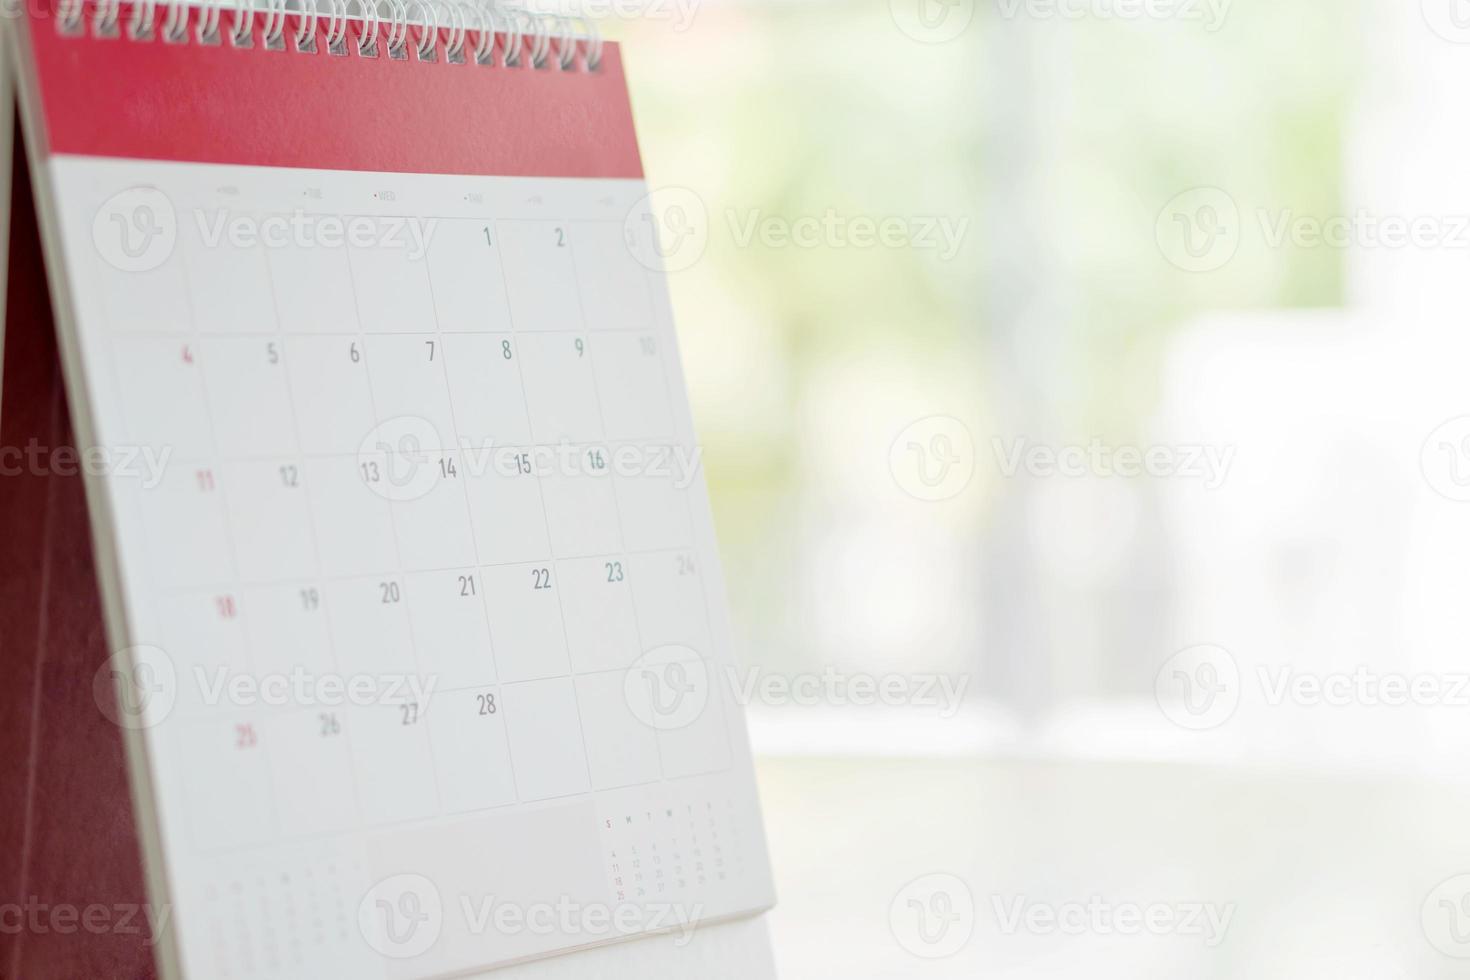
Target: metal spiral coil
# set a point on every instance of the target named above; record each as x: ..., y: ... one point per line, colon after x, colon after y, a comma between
x: 474, y: 32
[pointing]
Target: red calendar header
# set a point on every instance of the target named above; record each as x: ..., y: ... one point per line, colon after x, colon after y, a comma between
x: 221, y: 103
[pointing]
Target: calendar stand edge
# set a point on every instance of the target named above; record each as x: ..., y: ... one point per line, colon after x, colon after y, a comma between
x: 68, y: 841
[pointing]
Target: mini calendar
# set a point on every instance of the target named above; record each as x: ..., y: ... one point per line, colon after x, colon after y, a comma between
x: 415, y: 638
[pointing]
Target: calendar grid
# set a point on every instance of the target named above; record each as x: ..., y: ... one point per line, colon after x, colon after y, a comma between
x: 371, y: 674
x: 211, y: 588
x: 431, y: 820
x: 650, y: 443
x: 211, y: 355
x: 316, y: 552
x: 688, y: 503
x: 561, y: 612
x: 435, y: 819
x: 196, y: 347
x: 392, y: 517
x: 440, y: 692
x: 114, y: 370
x: 622, y: 533
x: 263, y: 335
x: 151, y: 558
x: 470, y: 520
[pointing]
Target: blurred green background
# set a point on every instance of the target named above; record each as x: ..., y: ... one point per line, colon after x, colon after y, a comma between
x: 1058, y: 141
x: 1063, y: 317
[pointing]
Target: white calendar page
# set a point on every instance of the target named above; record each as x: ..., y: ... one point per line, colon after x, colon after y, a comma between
x: 418, y: 569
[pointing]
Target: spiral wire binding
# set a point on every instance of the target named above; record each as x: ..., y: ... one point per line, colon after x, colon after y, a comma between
x: 467, y: 31
x: 367, y: 35
x: 140, y: 24
x: 207, y: 32
x: 398, y: 30
x: 304, y: 37
x: 337, y: 30
x: 176, y: 23
x: 454, y: 41
x: 272, y: 33
x: 424, y: 31
x: 242, y: 25
x: 104, y: 19
x: 69, y: 16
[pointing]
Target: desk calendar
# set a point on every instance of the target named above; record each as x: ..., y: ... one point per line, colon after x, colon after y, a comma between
x: 415, y: 626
